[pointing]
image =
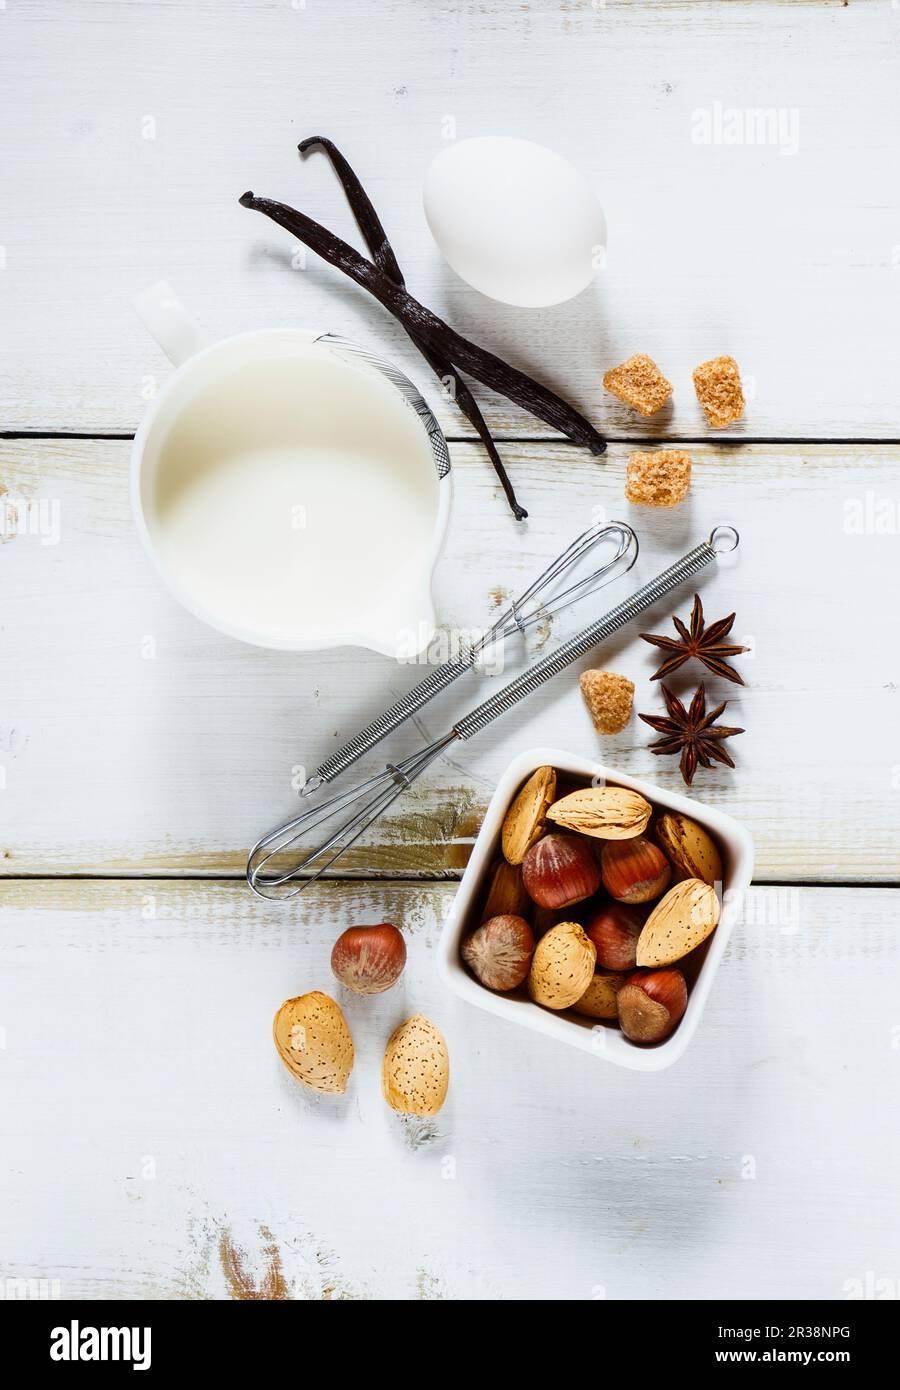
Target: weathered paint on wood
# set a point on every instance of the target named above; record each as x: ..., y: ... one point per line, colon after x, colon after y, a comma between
x: 154, y: 1146
x: 134, y: 740
x: 739, y: 151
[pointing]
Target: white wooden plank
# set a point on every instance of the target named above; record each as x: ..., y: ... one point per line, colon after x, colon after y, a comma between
x: 116, y: 763
x: 127, y: 165
x: 147, y: 1119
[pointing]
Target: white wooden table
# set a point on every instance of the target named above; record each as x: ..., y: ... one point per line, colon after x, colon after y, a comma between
x: 151, y: 1143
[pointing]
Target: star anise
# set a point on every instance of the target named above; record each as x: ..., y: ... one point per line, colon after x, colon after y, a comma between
x: 692, y: 732
x: 704, y: 643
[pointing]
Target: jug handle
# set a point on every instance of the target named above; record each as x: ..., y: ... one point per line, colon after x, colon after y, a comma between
x: 168, y: 321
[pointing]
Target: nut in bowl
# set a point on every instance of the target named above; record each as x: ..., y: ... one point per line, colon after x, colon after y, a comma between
x: 689, y: 920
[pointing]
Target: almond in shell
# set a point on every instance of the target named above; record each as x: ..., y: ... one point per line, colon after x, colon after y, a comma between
x: 600, y: 999
x: 691, y: 850
x: 684, y: 918
x: 561, y: 967
x: 415, y: 1072
x: 608, y: 813
x: 525, y: 818
x: 506, y: 894
x: 314, y: 1042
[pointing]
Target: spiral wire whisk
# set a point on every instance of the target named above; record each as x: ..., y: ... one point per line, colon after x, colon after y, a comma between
x: 540, y: 601
x: 365, y: 802
x: 537, y: 603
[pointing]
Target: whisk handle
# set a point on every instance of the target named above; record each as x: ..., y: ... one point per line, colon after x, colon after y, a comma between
x: 409, y: 704
x: 521, y: 614
x: 579, y: 645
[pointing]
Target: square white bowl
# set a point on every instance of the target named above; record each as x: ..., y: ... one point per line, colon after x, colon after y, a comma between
x: 603, y: 1040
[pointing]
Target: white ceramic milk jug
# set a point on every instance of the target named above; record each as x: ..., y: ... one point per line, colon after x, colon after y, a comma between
x: 292, y: 489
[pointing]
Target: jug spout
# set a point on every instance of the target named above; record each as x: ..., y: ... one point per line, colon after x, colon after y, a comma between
x: 405, y: 639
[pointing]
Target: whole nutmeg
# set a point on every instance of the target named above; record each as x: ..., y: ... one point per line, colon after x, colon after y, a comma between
x: 560, y: 870
x: 614, y: 929
x: 499, y: 952
x: 651, y: 1003
x: 561, y: 967
x: 634, y: 871
x: 369, y: 960
x: 691, y: 850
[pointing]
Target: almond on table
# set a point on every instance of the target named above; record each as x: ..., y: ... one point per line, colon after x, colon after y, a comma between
x: 415, y: 1071
x: 718, y: 386
x: 659, y: 479
x: 313, y: 1041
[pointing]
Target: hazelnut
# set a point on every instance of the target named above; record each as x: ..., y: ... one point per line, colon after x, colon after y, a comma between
x: 499, y: 952
x: 560, y: 870
x: 614, y: 930
x: 368, y: 960
x: 634, y: 871
x: 651, y: 1003
x: 543, y: 918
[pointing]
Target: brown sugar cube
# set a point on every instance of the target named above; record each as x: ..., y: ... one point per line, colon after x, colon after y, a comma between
x: 660, y: 479
x: 718, y: 386
x: 608, y: 697
x: 640, y: 384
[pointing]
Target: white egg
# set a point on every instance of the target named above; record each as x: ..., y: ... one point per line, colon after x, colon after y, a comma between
x: 514, y: 220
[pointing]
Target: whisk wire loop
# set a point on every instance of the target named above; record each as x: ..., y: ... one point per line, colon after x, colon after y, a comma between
x: 536, y: 603
x: 369, y: 800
